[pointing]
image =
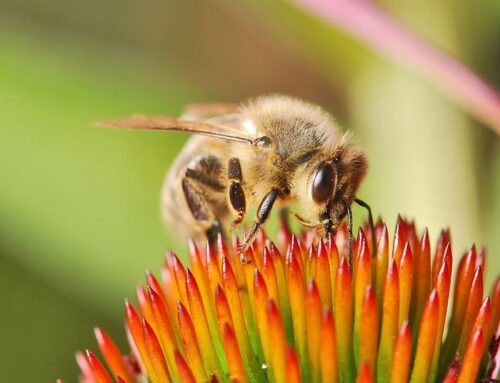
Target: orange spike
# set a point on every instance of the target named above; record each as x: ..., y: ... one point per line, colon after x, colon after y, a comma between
x: 222, y: 250
x: 233, y: 354
x: 185, y: 374
x: 452, y: 373
x: 196, y: 261
x: 412, y: 236
x: 390, y: 319
x: 170, y: 285
x: 465, y: 275
x: 284, y: 234
x: 421, y: 277
x: 356, y: 249
x: 179, y: 272
x: 212, y: 267
x: 296, y: 293
x: 495, y: 312
x: 473, y: 306
x: 269, y: 274
x: 135, y: 327
x: 443, y: 242
x: 200, y: 322
x: 155, y: 353
x: 278, y: 342
x: 232, y: 293
x: 341, y: 241
x: 481, y: 259
x: 402, y: 355
x: 279, y: 268
x: 98, y: 370
x: 426, y: 339
x: 155, y: 285
x: 333, y: 260
x: 483, y: 317
x: 328, y: 349
x: 443, y: 282
x: 313, y: 324
x: 297, y: 252
x: 363, y: 278
x: 405, y: 283
x: 323, y: 273
x: 144, y: 303
x: 199, y: 270
x: 311, y: 262
x: 222, y: 309
x: 364, y: 374
x: 292, y: 367
x: 190, y: 343
x: 382, y: 262
x: 87, y: 374
x: 112, y: 355
x: 163, y: 327
x: 261, y: 301
x: 472, y: 358
x: 369, y: 329
x: 343, y: 320
x: 399, y: 240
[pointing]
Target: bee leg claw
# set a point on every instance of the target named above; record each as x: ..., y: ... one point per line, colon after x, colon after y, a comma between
x: 244, y: 259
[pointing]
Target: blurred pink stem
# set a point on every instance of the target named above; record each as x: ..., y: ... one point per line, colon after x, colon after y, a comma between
x: 370, y: 24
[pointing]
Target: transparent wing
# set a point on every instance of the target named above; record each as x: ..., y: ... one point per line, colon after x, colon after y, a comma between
x: 212, y: 127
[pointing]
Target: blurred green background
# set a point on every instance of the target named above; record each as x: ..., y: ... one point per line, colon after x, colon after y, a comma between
x: 79, y: 216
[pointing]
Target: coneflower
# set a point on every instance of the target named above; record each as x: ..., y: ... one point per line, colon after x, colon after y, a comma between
x: 297, y: 313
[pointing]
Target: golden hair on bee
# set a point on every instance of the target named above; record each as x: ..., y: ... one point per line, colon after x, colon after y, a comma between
x: 270, y: 150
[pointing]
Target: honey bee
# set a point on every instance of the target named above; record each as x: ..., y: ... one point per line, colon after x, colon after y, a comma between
x: 271, y: 150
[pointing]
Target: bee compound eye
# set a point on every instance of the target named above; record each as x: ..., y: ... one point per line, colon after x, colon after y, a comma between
x: 322, y: 186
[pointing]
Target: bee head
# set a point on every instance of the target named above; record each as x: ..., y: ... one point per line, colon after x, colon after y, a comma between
x: 334, y: 182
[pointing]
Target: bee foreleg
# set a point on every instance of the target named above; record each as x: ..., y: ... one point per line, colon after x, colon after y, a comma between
x: 237, y: 199
x: 372, y: 225
x: 349, y: 234
x: 261, y: 217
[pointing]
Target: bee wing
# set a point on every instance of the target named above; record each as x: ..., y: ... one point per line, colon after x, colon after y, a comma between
x: 204, y: 110
x: 211, y: 128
